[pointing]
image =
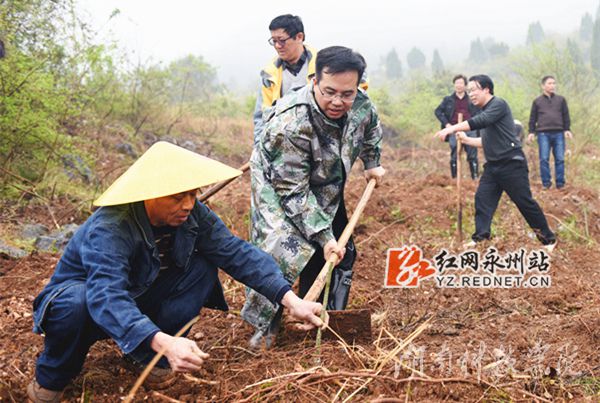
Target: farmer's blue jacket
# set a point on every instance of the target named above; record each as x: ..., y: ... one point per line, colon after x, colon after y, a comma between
x: 115, y: 255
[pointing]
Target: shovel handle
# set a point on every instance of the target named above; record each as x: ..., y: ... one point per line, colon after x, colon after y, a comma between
x: 459, y: 185
x: 214, y: 189
x: 317, y: 287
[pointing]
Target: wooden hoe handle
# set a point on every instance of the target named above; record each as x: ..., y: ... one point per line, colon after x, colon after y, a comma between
x: 459, y: 184
x: 317, y: 287
x: 204, y: 196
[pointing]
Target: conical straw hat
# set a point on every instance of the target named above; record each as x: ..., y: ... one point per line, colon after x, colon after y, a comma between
x: 164, y: 169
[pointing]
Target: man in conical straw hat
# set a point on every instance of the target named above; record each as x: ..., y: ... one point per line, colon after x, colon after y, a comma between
x: 142, y: 266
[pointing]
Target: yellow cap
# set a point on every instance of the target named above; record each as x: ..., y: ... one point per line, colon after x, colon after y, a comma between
x: 164, y: 169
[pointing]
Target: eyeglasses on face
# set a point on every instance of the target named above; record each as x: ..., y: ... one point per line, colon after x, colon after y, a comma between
x: 280, y: 42
x: 331, y: 95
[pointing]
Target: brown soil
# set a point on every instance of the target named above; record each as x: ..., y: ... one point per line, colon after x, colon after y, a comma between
x: 522, y: 344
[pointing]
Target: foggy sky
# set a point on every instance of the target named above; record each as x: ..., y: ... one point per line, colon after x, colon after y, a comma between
x: 232, y: 35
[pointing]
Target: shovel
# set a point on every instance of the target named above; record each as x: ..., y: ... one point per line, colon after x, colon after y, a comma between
x: 459, y: 185
x: 214, y: 189
x: 353, y: 325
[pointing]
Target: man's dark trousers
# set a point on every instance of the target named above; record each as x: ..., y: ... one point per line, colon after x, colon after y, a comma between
x: 471, y: 155
x: 510, y: 176
x: 172, y: 300
x: 341, y: 279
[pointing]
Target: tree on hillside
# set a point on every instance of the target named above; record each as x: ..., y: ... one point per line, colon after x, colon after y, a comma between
x: 498, y: 49
x: 45, y: 63
x: 595, y: 48
x: 495, y: 49
x: 183, y: 85
x: 437, y: 65
x: 477, y: 53
x: 415, y: 59
x: 393, y: 65
x: 586, y: 28
x: 191, y: 79
x: 574, y: 51
x: 535, y: 33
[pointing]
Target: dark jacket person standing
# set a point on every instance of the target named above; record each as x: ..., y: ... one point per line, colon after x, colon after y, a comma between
x: 447, y: 113
x: 506, y: 167
x: 550, y: 121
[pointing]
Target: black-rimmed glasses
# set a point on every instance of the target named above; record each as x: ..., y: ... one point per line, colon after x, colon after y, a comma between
x: 280, y: 42
x: 331, y: 95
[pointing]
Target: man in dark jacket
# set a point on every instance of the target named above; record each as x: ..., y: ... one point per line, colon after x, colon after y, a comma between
x: 447, y: 113
x: 506, y: 167
x: 550, y: 120
x: 142, y: 266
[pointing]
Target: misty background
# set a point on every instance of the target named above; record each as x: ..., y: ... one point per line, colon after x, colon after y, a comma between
x: 81, y: 77
x: 232, y: 36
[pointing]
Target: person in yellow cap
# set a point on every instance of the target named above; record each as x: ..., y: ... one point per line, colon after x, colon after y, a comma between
x: 142, y: 266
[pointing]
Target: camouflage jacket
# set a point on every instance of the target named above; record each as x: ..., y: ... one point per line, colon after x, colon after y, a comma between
x: 298, y: 173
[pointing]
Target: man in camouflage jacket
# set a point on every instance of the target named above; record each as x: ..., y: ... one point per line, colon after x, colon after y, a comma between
x: 305, y: 153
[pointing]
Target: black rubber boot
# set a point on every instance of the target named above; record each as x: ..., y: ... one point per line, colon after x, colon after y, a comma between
x: 341, y: 280
x: 453, y: 169
x: 474, y: 167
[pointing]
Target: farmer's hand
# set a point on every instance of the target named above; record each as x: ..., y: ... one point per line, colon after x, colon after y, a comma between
x: 442, y: 134
x: 332, y: 247
x: 306, y: 311
x: 530, y: 137
x: 183, y: 354
x: 375, y: 173
x: 568, y: 134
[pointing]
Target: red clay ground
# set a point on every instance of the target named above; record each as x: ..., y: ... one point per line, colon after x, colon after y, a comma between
x: 520, y: 344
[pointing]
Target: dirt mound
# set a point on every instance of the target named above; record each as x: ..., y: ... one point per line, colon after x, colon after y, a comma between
x: 430, y: 343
